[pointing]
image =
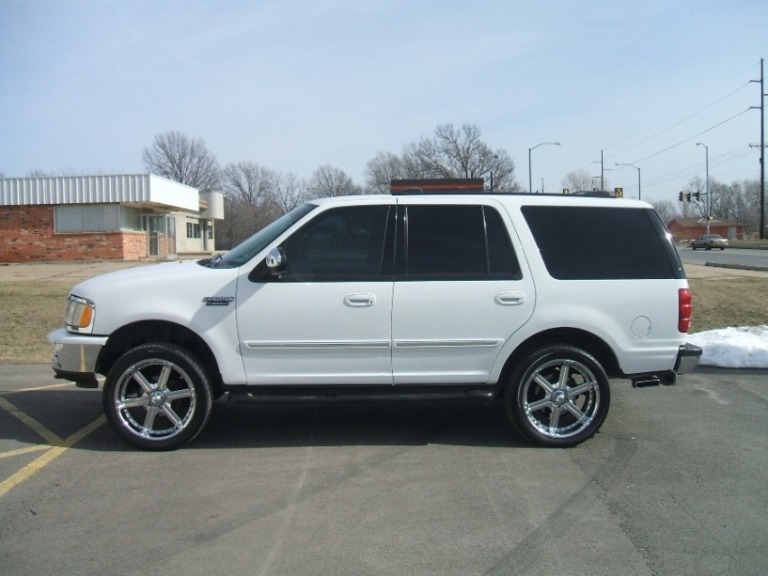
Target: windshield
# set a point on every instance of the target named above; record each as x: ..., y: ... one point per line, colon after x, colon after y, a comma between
x: 247, y: 249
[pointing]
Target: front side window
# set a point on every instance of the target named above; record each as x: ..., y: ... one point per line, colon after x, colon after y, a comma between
x: 247, y: 249
x: 340, y: 244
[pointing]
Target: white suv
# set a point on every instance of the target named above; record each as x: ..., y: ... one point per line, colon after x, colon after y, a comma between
x: 530, y: 299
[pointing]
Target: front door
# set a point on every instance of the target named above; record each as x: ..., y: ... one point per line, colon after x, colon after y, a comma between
x: 326, y: 317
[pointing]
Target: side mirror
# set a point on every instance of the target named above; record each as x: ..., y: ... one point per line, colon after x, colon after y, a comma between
x: 275, y: 260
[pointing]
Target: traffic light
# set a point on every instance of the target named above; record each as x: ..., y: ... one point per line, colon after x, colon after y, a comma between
x: 697, y: 195
x: 680, y: 196
x: 688, y: 196
x: 618, y: 192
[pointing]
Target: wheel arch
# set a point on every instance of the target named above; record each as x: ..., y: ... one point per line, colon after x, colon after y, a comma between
x: 131, y: 335
x: 590, y: 343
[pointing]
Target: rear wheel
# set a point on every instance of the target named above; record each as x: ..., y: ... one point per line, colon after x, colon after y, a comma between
x: 157, y: 397
x: 557, y: 396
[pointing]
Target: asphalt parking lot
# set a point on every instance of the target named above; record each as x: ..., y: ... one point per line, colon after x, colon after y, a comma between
x: 673, y: 484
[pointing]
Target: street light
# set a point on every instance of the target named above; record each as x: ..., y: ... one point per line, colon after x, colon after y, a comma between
x: 639, y: 196
x: 706, y: 183
x: 530, y: 180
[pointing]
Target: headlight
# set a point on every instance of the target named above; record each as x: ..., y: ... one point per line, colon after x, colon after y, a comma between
x: 80, y: 315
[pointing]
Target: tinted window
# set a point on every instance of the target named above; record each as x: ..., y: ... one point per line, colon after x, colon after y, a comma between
x: 340, y: 244
x: 586, y: 243
x: 456, y: 242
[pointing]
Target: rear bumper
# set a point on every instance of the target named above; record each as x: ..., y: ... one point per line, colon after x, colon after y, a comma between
x: 687, y: 358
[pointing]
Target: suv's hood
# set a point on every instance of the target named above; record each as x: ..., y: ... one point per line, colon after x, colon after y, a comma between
x: 171, y: 291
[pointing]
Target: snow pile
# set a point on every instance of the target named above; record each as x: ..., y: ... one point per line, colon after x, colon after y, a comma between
x: 733, y: 347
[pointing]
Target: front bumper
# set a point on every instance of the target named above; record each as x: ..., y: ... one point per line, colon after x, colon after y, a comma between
x: 75, y: 356
x: 687, y: 358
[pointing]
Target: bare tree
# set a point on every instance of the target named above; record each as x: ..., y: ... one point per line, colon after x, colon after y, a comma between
x: 330, y: 181
x: 382, y: 169
x: 578, y: 181
x: 694, y: 209
x: 248, y: 189
x: 288, y: 193
x: 182, y: 159
x: 450, y: 153
x: 247, y: 183
x: 666, y: 209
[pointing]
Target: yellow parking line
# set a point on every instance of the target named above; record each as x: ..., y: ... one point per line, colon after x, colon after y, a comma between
x: 41, y: 430
x: 51, y: 454
x: 21, y: 451
x: 55, y: 448
x: 37, y: 388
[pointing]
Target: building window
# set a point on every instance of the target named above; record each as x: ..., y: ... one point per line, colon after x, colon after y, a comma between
x: 130, y: 218
x: 87, y: 218
x: 96, y: 218
x: 193, y: 229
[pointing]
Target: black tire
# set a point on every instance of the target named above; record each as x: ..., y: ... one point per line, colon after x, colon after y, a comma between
x: 157, y: 397
x: 557, y: 396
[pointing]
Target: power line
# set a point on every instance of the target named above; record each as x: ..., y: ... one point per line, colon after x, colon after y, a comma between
x: 679, y: 122
x: 667, y: 149
x: 684, y: 108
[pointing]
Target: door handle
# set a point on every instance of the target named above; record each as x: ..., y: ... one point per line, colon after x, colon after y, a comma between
x: 360, y: 300
x: 511, y: 298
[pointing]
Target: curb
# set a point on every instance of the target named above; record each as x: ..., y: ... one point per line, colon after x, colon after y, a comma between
x: 737, y: 267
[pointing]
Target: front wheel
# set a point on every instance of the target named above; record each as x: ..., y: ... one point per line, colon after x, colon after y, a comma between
x: 557, y: 396
x: 157, y: 397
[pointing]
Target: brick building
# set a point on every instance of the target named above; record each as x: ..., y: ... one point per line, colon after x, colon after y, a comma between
x: 686, y: 229
x: 125, y: 217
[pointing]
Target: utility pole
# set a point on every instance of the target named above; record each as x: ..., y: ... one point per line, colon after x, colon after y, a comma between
x: 708, y: 204
x: 602, y: 171
x: 762, y: 149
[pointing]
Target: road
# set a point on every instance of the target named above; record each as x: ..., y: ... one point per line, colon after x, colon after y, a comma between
x: 674, y: 484
x: 729, y: 256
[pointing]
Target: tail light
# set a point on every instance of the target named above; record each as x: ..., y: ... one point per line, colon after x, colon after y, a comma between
x: 684, y: 309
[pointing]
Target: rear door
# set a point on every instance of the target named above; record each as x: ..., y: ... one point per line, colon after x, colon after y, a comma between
x: 459, y: 293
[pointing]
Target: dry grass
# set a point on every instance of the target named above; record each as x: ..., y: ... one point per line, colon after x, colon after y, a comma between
x: 31, y: 309
x: 722, y: 302
x: 28, y: 311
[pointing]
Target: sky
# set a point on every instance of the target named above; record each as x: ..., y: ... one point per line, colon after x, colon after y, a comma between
x: 292, y: 85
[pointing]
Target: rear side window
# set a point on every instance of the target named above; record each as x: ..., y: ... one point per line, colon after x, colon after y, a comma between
x: 456, y: 242
x: 595, y: 243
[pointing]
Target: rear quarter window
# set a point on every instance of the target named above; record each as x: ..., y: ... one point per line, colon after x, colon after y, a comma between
x: 602, y: 243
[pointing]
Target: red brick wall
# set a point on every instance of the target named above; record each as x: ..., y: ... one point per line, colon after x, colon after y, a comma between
x: 26, y: 235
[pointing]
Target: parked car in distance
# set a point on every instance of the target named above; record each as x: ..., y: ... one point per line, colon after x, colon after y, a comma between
x: 709, y: 241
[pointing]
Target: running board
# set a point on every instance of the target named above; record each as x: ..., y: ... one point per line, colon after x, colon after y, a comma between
x: 285, y: 394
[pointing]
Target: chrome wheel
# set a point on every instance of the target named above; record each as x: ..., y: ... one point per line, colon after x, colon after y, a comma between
x: 558, y: 396
x: 561, y: 398
x: 157, y: 397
